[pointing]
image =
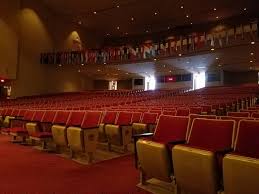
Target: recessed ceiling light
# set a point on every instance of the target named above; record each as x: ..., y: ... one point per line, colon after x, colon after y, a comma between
x: 2, y: 80
x: 251, y: 61
x: 107, y: 34
x: 191, y: 23
x: 164, y: 65
x: 219, y: 65
x: 252, y: 53
x: 118, y: 69
x: 95, y: 12
x: 217, y: 58
x: 155, y: 59
x: 168, y: 27
x: 215, y: 9
x: 82, y: 64
x: 155, y: 13
x: 212, y: 49
x: 118, y: 27
x: 79, y: 70
x: 188, y: 62
x: 79, y: 22
x: 182, y: 6
x: 132, y: 19
x: 104, y: 63
x: 147, y: 31
x: 146, y: 72
x: 170, y: 71
x: 245, y: 9
x: 126, y: 33
x: 179, y: 54
x: 252, y: 42
x: 251, y: 68
x: 126, y: 73
x: 187, y: 16
x: 118, y: 6
x: 217, y: 17
x: 60, y: 65
x: 98, y: 70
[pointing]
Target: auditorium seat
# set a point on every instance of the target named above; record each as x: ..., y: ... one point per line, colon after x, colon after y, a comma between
x: 147, y: 124
x: 59, y: 127
x: 35, y: 132
x: 84, y: 137
x: 194, y: 163
x: 109, y: 117
x: 194, y: 116
x: 255, y: 115
x: 172, y: 113
x: 238, y: 114
x: 195, y: 110
x: 21, y: 131
x: 241, y: 168
x: 154, y: 154
x: 183, y: 112
x: 120, y: 133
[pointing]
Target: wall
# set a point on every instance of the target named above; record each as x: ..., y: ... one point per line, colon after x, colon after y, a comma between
x: 174, y: 85
x: 124, y: 84
x: 40, y: 30
x: 101, y: 84
x: 236, y: 78
x: 218, y: 81
x: 9, y: 38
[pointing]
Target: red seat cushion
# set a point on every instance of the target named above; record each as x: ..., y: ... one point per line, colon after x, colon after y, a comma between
x: 18, y: 130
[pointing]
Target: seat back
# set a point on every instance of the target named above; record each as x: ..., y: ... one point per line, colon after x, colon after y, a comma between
x: 76, y: 118
x: 194, y: 116
x: 38, y: 115
x: 91, y: 119
x: 9, y: 112
x: 22, y: 113
x: 149, y: 118
x: 109, y: 117
x: 172, y: 113
x: 124, y: 118
x: 247, y: 140
x: 212, y: 134
x: 170, y: 128
x: 255, y: 115
x: 183, y: 112
x: 15, y: 113
x: 136, y: 117
x: 49, y: 116
x: 28, y: 116
x: 61, y: 117
x: 195, y: 110
x: 238, y: 114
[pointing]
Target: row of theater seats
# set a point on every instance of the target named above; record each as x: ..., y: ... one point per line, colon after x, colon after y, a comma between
x: 78, y: 130
x: 202, y: 154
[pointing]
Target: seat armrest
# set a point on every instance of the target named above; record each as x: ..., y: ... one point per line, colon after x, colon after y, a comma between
x: 143, y: 135
x: 177, y: 142
x: 224, y: 151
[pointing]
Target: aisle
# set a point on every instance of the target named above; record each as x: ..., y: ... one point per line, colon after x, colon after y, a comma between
x: 27, y: 170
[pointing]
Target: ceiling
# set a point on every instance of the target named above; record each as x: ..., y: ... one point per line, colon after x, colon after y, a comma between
x: 134, y: 17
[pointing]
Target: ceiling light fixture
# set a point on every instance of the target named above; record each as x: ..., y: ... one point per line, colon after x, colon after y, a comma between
x: 118, y: 27
x: 179, y: 54
x: 215, y: 9
x: 118, y: 6
x: 212, y: 49
x: 82, y: 64
x: 156, y: 13
x: 252, y: 53
x: 253, y: 42
x: 2, y: 80
x: 95, y: 12
x: 80, y: 22
x: 217, y: 58
x: 107, y: 34
x: 132, y: 19
x: 217, y: 17
x: 245, y: 9
x: 147, y: 31
x: 251, y: 61
x: 98, y: 70
x: 79, y: 70
x: 60, y: 65
x: 187, y: 16
x: 182, y: 6
x: 155, y: 59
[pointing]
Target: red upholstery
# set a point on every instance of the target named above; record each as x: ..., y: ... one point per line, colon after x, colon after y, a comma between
x: 18, y: 130
x: 149, y: 118
x: 136, y: 117
x: 195, y: 110
x: 42, y: 135
x: 211, y: 134
x: 61, y: 117
x: 8, y: 112
x: 49, y: 116
x: 15, y: 112
x: 28, y: 116
x: 247, y: 142
x: 38, y: 116
x: 206, y: 108
x: 158, y: 112
x: 76, y: 118
x: 239, y: 114
x: 109, y: 117
x: 194, y: 116
x: 124, y: 118
x: 172, y: 113
x: 91, y: 119
x: 183, y: 112
x: 22, y: 113
x: 255, y: 115
x: 171, y: 128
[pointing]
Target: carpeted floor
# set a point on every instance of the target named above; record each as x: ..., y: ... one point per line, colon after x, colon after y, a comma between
x: 24, y: 170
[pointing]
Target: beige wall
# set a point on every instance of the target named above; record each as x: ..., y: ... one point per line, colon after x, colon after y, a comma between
x: 8, y: 38
x: 40, y: 30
